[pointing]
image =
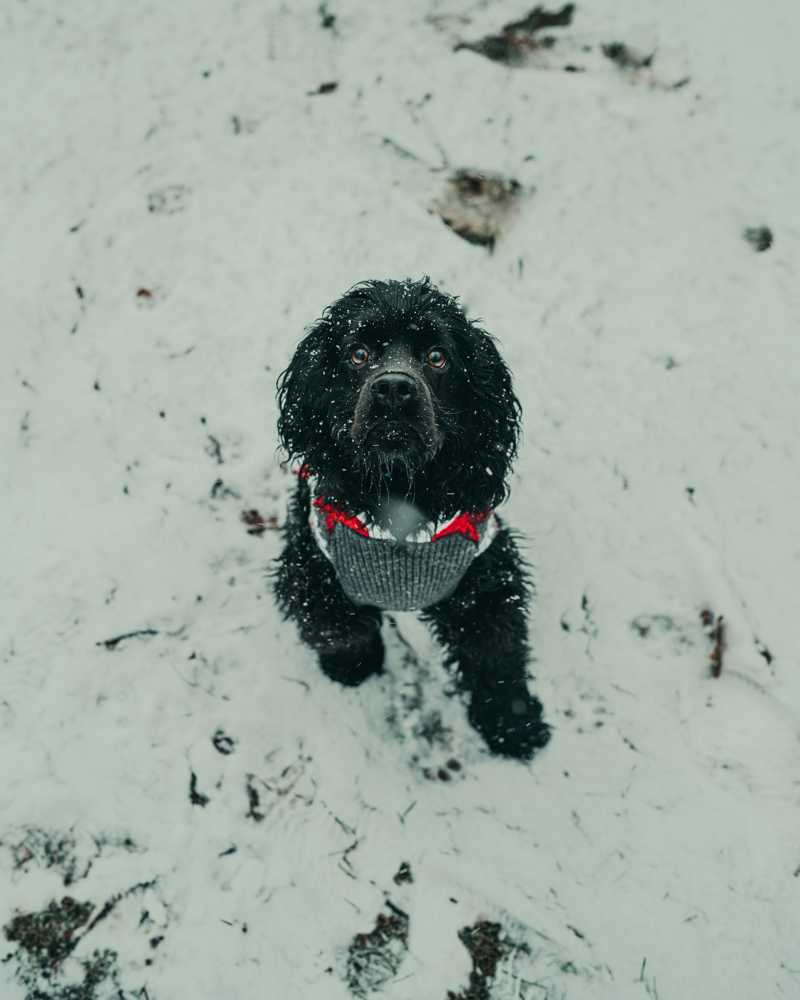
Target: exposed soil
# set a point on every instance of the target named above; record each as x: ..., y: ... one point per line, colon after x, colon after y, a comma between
x: 45, y: 940
x: 759, y: 237
x: 374, y: 958
x: 625, y: 57
x: 478, y: 205
x: 518, y: 39
x: 486, y: 947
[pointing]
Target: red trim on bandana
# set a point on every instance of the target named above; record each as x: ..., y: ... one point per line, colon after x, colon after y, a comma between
x: 335, y: 515
x: 303, y: 472
x: 464, y: 524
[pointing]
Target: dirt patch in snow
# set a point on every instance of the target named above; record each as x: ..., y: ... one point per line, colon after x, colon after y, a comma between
x: 45, y: 965
x: 374, y: 958
x: 478, y: 205
x: 517, y: 39
x: 759, y: 237
x: 486, y: 946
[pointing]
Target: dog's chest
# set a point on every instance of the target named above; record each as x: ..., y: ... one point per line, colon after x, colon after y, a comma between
x: 375, y: 568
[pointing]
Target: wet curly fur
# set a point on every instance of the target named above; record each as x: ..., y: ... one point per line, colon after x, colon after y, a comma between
x: 439, y: 436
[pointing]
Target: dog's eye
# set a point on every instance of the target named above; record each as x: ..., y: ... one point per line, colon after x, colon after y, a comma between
x: 359, y: 355
x: 436, y: 358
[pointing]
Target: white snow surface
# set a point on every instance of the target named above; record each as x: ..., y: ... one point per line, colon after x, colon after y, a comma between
x: 653, y: 848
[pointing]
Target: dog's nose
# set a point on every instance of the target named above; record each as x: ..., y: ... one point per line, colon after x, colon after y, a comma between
x: 394, y: 391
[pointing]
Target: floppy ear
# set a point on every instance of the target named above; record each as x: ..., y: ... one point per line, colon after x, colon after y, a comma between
x: 311, y: 420
x: 490, y: 424
x: 498, y: 413
x: 304, y: 398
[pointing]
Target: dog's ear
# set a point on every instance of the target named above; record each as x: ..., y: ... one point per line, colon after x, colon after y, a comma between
x: 310, y: 390
x: 303, y: 391
x: 490, y: 423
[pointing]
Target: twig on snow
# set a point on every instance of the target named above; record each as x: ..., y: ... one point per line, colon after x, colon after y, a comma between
x: 715, y: 630
x: 117, y: 639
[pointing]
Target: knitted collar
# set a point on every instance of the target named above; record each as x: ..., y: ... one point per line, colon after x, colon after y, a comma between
x: 470, y: 525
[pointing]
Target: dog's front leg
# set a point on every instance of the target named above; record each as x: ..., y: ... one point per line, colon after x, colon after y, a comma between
x: 483, y: 626
x: 346, y: 637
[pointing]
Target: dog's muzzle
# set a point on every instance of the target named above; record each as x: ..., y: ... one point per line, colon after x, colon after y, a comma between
x: 395, y: 413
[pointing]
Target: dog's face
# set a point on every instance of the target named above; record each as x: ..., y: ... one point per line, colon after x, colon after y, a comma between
x: 394, y: 385
x: 401, y: 395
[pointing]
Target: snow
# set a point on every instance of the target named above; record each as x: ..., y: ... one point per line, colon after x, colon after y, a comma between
x: 178, y: 204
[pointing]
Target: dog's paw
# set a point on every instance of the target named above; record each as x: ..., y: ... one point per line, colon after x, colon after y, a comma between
x: 511, y: 727
x: 352, y: 665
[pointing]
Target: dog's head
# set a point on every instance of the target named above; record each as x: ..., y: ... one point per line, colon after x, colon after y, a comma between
x: 395, y: 385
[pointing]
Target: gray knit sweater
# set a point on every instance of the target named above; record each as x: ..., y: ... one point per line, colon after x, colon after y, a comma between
x: 394, y: 574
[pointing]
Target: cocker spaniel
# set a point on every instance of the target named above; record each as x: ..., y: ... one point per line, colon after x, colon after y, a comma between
x: 402, y: 417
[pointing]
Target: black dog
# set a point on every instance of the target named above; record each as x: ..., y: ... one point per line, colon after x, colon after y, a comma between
x: 403, y: 415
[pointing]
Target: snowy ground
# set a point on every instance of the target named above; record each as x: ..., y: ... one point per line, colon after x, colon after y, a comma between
x: 194, y: 811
